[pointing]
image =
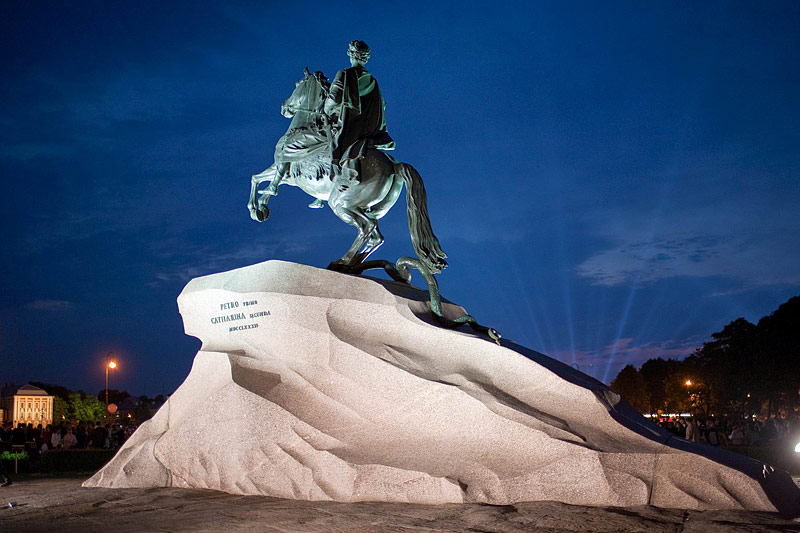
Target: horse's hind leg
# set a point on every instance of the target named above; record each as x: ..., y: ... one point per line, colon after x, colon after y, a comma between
x: 378, y: 210
x: 374, y: 241
x: 365, y: 227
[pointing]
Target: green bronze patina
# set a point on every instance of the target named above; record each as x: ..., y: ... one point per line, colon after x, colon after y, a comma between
x: 333, y: 151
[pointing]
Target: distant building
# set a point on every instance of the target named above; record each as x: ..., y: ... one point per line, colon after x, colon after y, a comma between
x: 30, y: 405
x: 137, y: 410
x: 127, y: 409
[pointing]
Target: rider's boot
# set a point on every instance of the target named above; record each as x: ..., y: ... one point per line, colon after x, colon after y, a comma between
x: 317, y: 204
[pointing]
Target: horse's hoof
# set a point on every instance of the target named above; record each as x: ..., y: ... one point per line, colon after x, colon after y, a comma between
x: 262, y: 214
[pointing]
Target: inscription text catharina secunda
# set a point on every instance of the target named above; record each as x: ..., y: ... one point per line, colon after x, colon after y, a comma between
x: 238, y: 314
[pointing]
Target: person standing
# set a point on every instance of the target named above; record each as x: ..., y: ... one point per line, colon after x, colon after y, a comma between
x: 55, y: 440
x: 98, y: 437
x: 737, y: 435
x: 18, y: 436
x: 712, y: 435
x: 69, y: 440
x: 6, y: 481
x: 692, y: 431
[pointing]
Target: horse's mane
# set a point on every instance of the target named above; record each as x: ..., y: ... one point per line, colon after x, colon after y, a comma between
x: 309, y: 138
x: 322, y: 79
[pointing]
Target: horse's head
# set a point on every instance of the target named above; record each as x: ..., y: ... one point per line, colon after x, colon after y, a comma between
x: 309, y: 94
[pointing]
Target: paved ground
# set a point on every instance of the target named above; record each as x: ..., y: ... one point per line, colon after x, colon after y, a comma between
x: 63, y: 505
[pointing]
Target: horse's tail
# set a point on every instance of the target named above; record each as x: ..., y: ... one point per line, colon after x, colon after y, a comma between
x: 426, y: 245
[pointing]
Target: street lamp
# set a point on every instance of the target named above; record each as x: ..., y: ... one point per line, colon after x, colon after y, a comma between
x: 110, y: 364
x: 692, y: 398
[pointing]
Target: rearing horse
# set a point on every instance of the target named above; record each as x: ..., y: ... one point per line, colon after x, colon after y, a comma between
x: 303, y: 159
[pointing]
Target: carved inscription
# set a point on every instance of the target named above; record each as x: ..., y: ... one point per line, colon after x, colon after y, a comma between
x: 236, y: 311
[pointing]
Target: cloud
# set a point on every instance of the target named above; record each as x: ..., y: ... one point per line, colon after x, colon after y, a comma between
x: 626, y: 349
x: 753, y: 260
x: 747, y: 244
x: 49, y: 305
x: 606, y: 362
x: 193, y: 261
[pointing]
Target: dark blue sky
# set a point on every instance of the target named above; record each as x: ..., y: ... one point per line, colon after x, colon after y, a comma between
x: 612, y: 181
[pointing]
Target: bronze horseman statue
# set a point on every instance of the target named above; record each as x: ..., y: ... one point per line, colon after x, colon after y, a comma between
x: 334, y: 151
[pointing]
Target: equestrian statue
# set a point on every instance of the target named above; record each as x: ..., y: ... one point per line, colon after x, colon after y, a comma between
x: 334, y: 150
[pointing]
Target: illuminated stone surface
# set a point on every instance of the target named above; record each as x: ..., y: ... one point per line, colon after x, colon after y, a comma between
x: 316, y: 385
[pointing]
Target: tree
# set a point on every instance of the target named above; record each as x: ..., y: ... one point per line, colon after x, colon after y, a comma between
x: 142, y: 413
x: 779, y: 343
x: 632, y: 386
x: 728, y: 366
x: 60, y: 410
x: 114, y: 396
x: 86, y: 408
x: 744, y: 367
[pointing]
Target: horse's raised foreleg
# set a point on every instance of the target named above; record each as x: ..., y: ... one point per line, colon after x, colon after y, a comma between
x: 253, y: 204
x: 258, y: 199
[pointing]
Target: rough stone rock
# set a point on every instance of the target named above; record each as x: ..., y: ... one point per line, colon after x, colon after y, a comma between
x: 316, y: 385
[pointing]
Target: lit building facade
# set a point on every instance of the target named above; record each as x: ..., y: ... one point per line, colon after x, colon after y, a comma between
x: 30, y: 405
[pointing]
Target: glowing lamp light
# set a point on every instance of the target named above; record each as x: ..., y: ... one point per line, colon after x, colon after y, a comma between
x: 797, y: 448
x: 688, y: 382
x: 110, y: 365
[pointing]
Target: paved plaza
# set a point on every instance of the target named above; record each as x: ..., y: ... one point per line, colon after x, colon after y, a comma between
x: 63, y: 505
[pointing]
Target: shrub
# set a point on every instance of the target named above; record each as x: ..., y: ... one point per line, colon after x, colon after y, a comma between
x: 16, y: 462
x: 19, y: 456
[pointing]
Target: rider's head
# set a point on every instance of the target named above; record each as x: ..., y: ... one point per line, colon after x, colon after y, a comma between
x: 358, y: 52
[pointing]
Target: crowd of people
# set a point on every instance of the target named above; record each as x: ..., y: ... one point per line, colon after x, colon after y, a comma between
x: 732, y: 432
x: 81, y: 435
x: 37, y: 440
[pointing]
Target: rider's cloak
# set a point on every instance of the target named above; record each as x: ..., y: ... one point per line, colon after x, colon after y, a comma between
x: 357, y: 102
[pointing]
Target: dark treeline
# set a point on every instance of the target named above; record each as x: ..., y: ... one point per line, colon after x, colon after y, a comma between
x: 744, y: 369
